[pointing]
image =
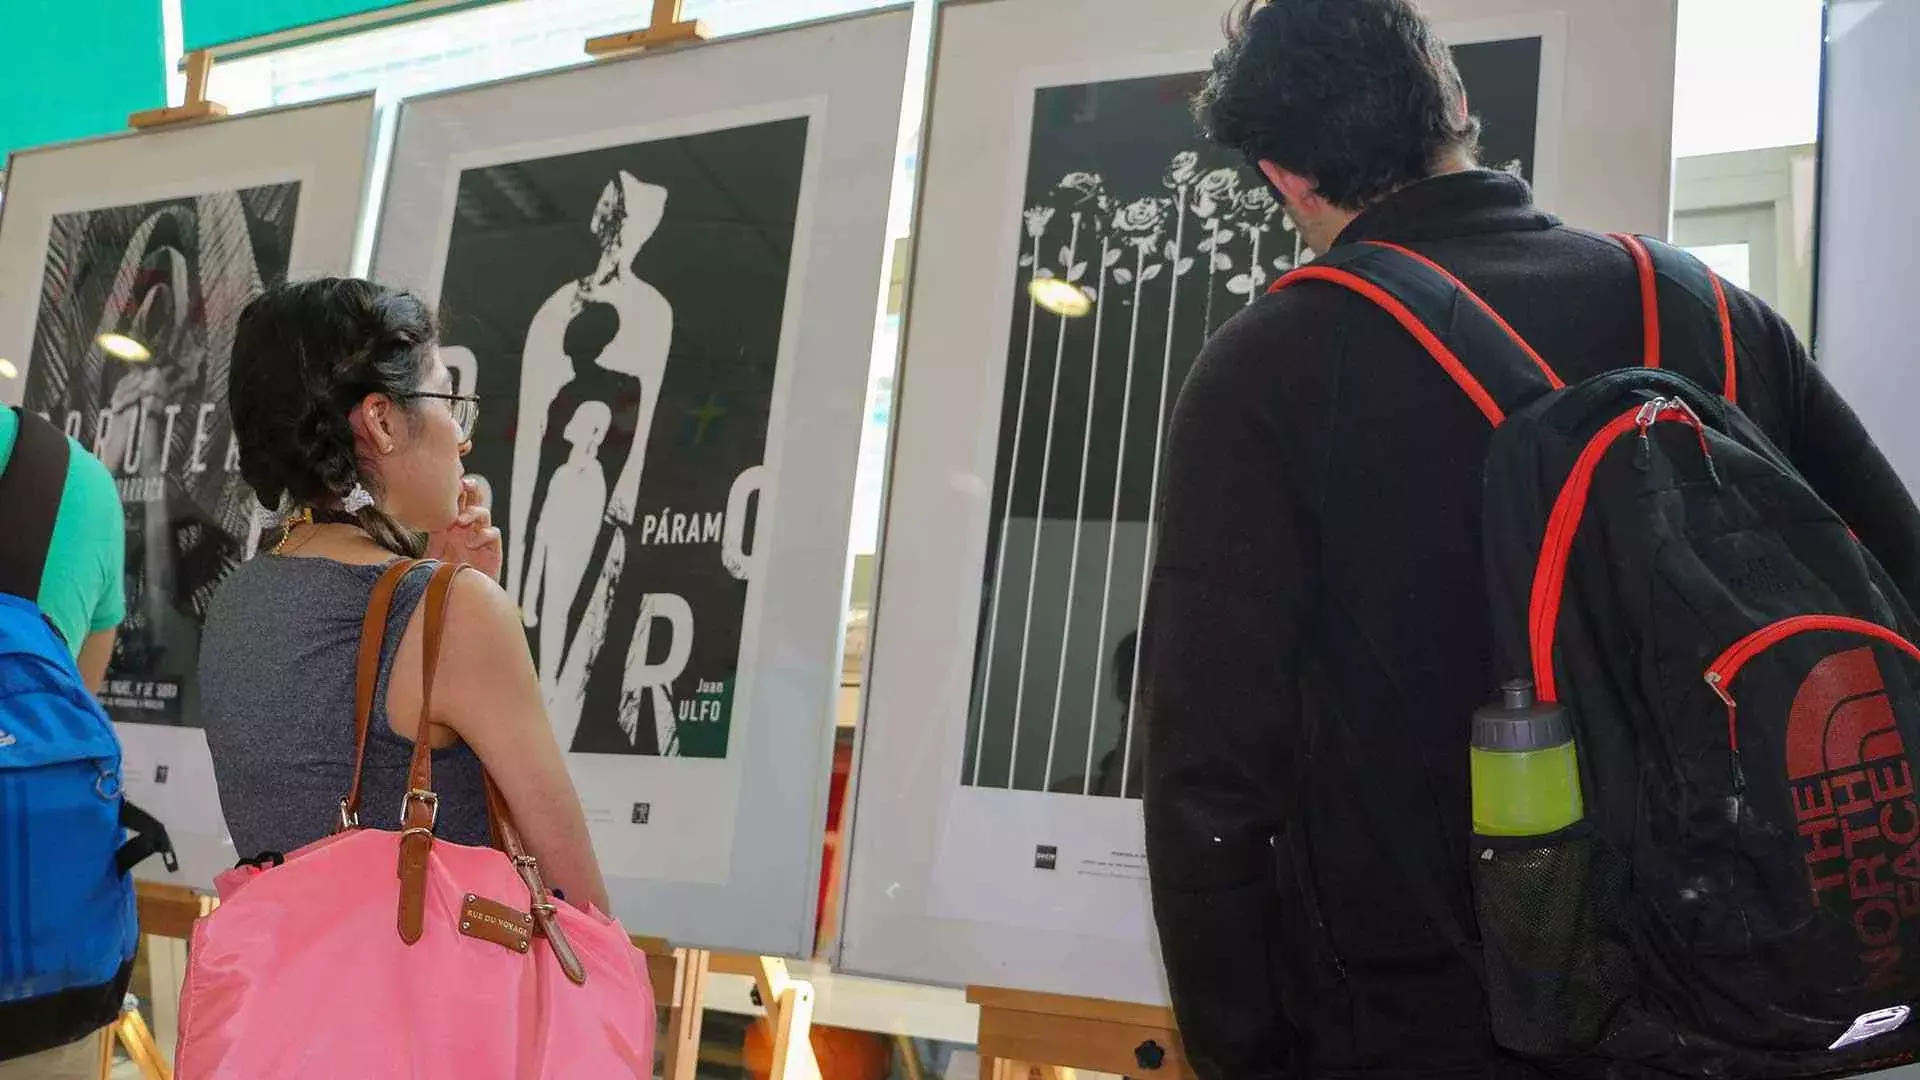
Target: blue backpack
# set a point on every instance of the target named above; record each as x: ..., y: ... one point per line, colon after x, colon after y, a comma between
x: 67, y: 921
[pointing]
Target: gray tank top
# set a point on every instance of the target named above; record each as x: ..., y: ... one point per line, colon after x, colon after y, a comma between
x: 277, y: 664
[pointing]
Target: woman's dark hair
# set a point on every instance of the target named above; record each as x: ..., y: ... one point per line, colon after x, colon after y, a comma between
x: 1361, y: 96
x: 304, y: 354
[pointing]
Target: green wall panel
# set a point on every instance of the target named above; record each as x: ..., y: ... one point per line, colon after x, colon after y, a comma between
x: 208, y: 24
x: 75, y: 68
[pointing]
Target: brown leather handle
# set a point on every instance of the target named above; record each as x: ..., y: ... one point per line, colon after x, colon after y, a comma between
x: 373, y: 633
x: 544, y: 918
x: 422, y: 806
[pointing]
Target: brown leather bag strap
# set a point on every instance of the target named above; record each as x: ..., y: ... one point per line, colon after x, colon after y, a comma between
x: 373, y: 633
x: 545, y: 920
x: 420, y: 807
x: 420, y: 769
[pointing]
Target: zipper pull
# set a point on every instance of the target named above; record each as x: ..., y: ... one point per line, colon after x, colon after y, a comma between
x: 1719, y: 688
x: 1643, y: 421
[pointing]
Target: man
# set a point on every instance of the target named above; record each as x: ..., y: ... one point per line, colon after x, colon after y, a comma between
x: 1317, y: 631
x: 81, y: 594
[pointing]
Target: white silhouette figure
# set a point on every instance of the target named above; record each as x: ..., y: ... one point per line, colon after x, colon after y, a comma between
x: 624, y: 220
x: 569, y: 523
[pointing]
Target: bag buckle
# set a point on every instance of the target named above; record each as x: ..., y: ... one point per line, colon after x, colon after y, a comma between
x: 348, y: 819
x: 425, y: 796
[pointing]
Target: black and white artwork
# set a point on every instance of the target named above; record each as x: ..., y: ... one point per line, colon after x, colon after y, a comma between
x: 130, y: 354
x: 1137, y: 240
x: 619, y: 312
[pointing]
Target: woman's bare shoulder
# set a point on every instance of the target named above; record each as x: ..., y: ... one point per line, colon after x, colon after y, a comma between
x: 484, y: 659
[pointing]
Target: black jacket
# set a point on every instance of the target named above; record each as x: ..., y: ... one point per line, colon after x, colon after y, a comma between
x: 1317, y: 634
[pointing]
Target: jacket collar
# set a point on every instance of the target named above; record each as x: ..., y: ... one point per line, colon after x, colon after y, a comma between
x: 1455, y: 204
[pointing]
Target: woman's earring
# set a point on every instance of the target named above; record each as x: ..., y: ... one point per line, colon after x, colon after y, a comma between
x: 357, y: 500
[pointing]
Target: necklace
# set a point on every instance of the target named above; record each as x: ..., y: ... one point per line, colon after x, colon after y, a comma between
x: 294, y: 521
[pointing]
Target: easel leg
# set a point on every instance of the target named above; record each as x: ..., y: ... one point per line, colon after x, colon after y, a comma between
x: 789, y: 1004
x: 106, y: 1052
x: 909, y: 1056
x: 167, y: 965
x: 687, y: 1014
x: 141, y: 1048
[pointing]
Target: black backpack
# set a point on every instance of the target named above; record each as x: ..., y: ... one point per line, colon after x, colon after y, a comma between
x: 1743, y: 897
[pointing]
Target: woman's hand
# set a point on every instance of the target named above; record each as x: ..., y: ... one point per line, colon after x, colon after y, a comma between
x: 471, y: 539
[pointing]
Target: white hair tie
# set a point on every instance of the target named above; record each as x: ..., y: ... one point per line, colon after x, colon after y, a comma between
x: 357, y: 500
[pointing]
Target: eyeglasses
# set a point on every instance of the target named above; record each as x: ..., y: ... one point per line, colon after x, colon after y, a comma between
x: 464, y: 407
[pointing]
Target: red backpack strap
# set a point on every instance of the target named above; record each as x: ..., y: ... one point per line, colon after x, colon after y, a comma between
x: 1491, y: 363
x: 1684, y: 312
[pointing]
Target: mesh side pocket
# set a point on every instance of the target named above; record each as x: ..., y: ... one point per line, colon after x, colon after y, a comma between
x: 1557, y: 964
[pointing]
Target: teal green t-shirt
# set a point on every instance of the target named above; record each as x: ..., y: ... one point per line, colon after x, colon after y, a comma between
x: 82, y: 589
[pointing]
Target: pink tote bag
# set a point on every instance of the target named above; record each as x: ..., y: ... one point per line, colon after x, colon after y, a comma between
x: 374, y: 954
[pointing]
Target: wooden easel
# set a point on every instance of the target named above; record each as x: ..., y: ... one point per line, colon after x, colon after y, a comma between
x: 668, y: 29
x: 680, y: 987
x: 789, y: 1005
x: 1028, y: 1036
x: 132, y: 1032
x: 199, y: 64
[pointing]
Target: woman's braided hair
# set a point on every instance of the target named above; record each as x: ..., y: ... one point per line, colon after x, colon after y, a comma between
x: 304, y: 355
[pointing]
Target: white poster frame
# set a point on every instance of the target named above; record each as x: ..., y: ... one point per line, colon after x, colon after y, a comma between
x: 325, y: 146
x: 991, y: 917
x: 758, y: 892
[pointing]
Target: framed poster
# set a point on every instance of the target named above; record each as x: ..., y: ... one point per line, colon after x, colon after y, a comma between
x: 661, y: 275
x: 1866, y: 219
x: 998, y: 837
x: 124, y: 263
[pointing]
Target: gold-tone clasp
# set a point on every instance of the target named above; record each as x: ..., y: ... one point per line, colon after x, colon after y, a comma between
x: 425, y: 796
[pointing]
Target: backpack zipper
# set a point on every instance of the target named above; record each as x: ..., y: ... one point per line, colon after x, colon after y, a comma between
x: 1726, y: 667
x: 1563, y: 525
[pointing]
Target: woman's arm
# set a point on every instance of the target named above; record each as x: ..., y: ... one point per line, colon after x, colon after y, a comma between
x: 486, y: 691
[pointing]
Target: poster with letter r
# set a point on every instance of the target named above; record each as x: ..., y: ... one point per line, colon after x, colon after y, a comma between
x: 665, y: 302
x: 618, y: 311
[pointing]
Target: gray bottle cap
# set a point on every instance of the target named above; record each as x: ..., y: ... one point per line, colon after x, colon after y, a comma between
x: 1519, y: 723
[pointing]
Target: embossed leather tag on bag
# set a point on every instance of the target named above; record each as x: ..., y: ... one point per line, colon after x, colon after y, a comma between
x: 491, y: 920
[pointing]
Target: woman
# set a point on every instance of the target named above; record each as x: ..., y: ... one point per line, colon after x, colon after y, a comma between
x: 344, y: 416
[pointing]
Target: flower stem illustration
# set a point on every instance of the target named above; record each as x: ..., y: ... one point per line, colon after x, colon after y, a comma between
x: 1143, y: 219
x: 1080, y: 517
x: 1036, y: 225
x: 1068, y: 262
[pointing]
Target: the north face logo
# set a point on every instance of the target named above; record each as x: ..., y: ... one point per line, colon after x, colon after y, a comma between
x: 1853, y: 798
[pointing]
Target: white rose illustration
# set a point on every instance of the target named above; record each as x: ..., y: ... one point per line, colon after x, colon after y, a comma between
x: 1217, y: 192
x: 1141, y: 217
x: 1037, y: 219
x: 1085, y: 184
x: 1186, y: 164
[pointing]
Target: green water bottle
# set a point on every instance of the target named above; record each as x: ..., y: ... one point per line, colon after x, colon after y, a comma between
x: 1526, y: 775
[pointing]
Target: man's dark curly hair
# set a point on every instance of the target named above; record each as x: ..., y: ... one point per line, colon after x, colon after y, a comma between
x: 1361, y: 96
